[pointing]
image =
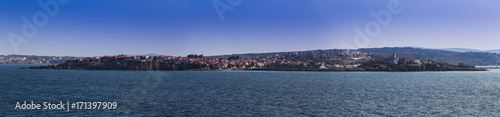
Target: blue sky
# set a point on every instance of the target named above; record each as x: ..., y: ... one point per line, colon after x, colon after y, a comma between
x: 181, y: 27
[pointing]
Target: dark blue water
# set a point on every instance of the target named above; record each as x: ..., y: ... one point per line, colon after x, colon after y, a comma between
x: 254, y: 93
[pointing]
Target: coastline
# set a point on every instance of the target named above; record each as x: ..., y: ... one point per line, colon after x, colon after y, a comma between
x: 200, y: 63
x: 269, y: 69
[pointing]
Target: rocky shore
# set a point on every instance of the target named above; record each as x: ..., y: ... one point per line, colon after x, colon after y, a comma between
x: 417, y: 67
x: 128, y: 65
x: 149, y: 66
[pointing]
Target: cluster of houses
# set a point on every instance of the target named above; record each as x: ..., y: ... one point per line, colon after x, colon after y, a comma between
x: 25, y: 59
x: 215, y: 63
x: 276, y: 60
x: 12, y: 58
x: 323, y: 53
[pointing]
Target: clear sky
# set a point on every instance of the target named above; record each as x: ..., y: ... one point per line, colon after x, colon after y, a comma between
x: 181, y: 27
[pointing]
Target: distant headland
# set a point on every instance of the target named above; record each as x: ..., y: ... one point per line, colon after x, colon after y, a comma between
x: 314, y: 60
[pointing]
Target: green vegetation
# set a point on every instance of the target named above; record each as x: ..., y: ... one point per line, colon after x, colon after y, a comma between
x: 467, y: 58
x: 195, y: 56
x: 234, y: 58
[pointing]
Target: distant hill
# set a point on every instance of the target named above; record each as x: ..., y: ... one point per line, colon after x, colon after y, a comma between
x: 471, y: 50
x: 463, y: 50
x: 494, y: 51
x: 246, y: 55
x: 439, y: 55
x: 452, y: 57
x: 253, y: 55
x: 149, y: 54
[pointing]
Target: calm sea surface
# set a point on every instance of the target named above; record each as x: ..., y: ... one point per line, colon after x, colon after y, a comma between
x: 254, y: 93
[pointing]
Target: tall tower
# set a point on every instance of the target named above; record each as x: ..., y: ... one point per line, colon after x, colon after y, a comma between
x: 394, y: 59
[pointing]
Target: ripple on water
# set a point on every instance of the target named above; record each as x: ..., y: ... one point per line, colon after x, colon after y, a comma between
x: 255, y: 93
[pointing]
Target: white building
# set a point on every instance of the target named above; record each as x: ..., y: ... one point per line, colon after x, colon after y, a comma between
x: 392, y: 60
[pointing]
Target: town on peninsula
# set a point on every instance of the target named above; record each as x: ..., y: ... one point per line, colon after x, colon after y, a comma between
x: 313, y: 60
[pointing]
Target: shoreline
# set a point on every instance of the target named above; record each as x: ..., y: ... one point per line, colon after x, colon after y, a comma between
x: 309, y: 70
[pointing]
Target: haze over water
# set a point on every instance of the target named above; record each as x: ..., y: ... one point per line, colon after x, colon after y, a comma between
x: 254, y: 93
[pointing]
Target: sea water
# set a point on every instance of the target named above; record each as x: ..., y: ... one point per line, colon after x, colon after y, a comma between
x: 253, y: 93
